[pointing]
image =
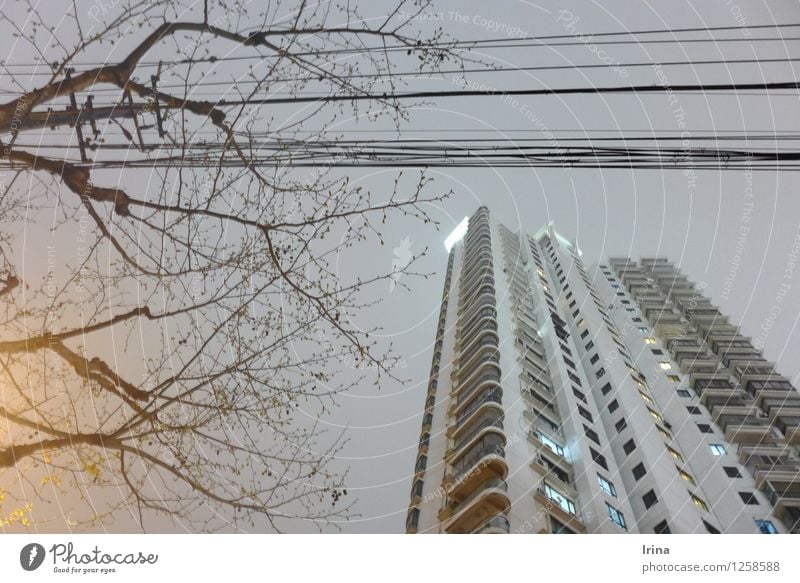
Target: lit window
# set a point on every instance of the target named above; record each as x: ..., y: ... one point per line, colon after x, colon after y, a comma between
x: 766, y: 527
x: 655, y: 415
x: 674, y: 378
x: 665, y: 366
x: 565, y: 503
x: 616, y: 516
x: 607, y: 486
x: 581, y: 323
x: 649, y: 340
x: 675, y: 454
x: 647, y: 399
x: 698, y: 502
x: 717, y: 448
x: 554, y: 447
x: 686, y: 476
x: 664, y: 433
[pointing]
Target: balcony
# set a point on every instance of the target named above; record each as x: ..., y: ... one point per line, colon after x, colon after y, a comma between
x: 471, y: 513
x: 788, y: 421
x: 490, y: 416
x: 561, y: 507
x: 496, y: 525
x: 490, y: 397
x: 784, y: 497
x: 743, y: 423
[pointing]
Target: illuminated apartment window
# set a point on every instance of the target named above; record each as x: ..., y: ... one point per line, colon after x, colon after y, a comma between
x: 616, y: 516
x: 565, y: 503
x: 664, y: 433
x: 581, y: 323
x: 674, y: 378
x: 675, y: 454
x: 686, y: 476
x: 607, y: 486
x: 766, y: 527
x: 649, y: 340
x: 698, y: 502
x: 655, y: 415
x: 717, y: 448
x: 647, y: 399
x: 665, y: 366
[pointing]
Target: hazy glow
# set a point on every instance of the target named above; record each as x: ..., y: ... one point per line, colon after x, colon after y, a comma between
x: 457, y: 234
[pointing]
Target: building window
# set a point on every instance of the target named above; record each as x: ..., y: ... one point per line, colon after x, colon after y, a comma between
x: 585, y: 414
x: 704, y: 427
x: 613, y: 406
x: 732, y: 472
x: 557, y: 528
x: 655, y: 415
x: 581, y: 323
x: 748, y: 498
x: 639, y: 471
x: 649, y: 499
x: 663, y: 432
x: 422, y: 462
x: 584, y: 334
x: 621, y: 424
x: 662, y: 528
x: 646, y: 398
x: 686, y: 476
x: 606, y: 389
x: 674, y: 378
x: 600, y: 372
x: 616, y: 516
x: 569, y: 362
x: 711, y: 528
x: 644, y: 330
x: 694, y: 410
x: 665, y: 366
x: 684, y: 393
x: 766, y: 527
x: 599, y: 459
x: 607, y: 486
x: 594, y: 359
x: 629, y: 447
x: 657, y: 351
x: 649, y: 340
x: 717, y: 449
x: 552, y: 445
x: 563, y: 502
x: 413, y: 519
x: 579, y: 394
x: 698, y: 502
x: 590, y: 345
x: 675, y: 454
x: 417, y: 489
x: 592, y: 434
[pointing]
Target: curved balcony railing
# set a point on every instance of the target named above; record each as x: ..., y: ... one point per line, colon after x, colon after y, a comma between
x: 472, y: 386
x: 477, y: 344
x: 466, y: 321
x: 467, y: 366
x: 495, y: 423
x: 491, y: 394
x: 457, y: 506
x: 490, y: 444
x: 485, y: 323
x: 498, y: 522
x: 471, y: 280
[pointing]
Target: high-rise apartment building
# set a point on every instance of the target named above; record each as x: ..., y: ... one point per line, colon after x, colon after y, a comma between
x: 561, y: 401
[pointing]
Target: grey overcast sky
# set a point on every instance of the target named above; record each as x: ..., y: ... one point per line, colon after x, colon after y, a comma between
x: 696, y: 222
x: 609, y: 212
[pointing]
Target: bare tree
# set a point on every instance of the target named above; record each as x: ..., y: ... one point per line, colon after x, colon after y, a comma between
x: 168, y: 277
